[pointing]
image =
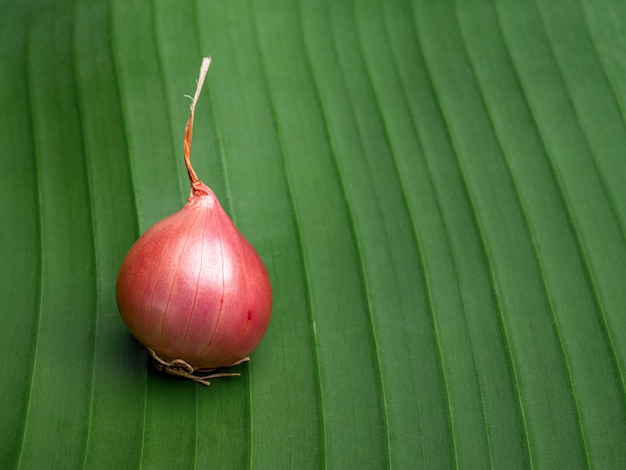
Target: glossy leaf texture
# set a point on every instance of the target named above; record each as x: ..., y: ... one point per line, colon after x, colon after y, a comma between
x: 438, y: 191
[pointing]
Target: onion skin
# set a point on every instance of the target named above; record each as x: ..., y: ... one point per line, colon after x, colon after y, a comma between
x: 193, y: 288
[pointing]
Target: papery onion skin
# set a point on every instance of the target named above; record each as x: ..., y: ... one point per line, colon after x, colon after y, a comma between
x: 193, y: 288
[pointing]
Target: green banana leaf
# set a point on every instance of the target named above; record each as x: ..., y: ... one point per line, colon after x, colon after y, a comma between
x: 437, y: 188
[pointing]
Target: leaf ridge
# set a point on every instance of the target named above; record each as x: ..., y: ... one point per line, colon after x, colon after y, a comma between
x: 167, y: 112
x: 611, y: 85
x: 480, y: 231
x: 533, y: 241
x: 540, y: 263
x: 581, y: 128
x: 588, y: 271
x: 288, y: 172
x: 621, y: 375
x: 39, y: 201
x: 419, y: 245
x: 440, y: 211
x: 584, y: 255
x: 133, y: 187
x: 354, y: 232
x: 415, y: 230
x: 94, y: 233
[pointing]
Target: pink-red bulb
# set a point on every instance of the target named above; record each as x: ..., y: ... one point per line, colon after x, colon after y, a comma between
x: 193, y: 288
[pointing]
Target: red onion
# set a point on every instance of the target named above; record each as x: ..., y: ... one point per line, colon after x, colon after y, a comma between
x: 192, y: 289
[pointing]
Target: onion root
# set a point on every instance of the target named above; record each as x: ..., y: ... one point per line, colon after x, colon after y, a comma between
x: 180, y: 368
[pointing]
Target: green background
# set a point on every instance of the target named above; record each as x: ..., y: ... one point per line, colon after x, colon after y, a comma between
x: 438, y: 190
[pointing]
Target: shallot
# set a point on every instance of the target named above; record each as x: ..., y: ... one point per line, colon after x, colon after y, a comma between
x: 192, y: 289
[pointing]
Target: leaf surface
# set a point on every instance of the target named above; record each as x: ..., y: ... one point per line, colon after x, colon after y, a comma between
x: 436, y: 188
